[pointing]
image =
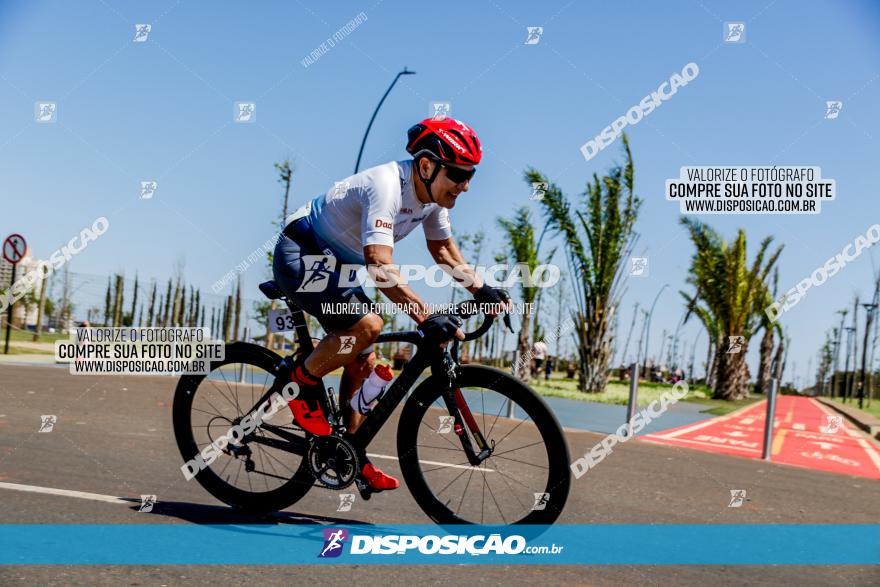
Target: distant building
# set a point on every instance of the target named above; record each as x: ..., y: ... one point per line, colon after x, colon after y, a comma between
x: 23, y: 315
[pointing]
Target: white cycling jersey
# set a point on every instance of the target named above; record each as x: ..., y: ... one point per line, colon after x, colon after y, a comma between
x: 377, y: 206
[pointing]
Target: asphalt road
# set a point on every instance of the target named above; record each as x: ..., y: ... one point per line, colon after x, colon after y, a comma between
x: 113, y: 437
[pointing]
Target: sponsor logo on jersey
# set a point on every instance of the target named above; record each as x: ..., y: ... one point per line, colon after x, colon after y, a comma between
x: 406, y: 211
x: 383, y: 224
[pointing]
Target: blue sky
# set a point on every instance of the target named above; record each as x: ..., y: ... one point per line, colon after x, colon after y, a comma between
x: 162, y: 110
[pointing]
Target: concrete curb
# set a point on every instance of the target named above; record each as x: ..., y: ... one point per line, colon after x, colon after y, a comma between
x: 863, y: 420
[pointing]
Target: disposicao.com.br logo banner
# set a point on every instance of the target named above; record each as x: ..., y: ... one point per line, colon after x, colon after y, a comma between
x: 573, y: 544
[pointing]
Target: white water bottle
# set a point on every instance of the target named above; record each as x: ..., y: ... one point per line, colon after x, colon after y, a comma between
x: 373, y: 387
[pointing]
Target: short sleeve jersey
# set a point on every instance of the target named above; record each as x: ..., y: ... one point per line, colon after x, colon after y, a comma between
x: 377, y: 206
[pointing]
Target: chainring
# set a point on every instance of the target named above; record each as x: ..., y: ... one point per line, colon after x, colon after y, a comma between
x: 333, y: 461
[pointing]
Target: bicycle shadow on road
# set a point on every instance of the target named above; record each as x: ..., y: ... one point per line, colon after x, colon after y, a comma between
x: 227, y: 519
x: 197, y: 513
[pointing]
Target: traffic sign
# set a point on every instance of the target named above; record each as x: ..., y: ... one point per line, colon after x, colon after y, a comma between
x: 14, y: 248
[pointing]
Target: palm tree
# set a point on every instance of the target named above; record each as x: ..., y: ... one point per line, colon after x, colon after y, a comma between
x: 765, y: 362
x: 520, y: 235
x: 597, y: 240
x: 825, y: 360
x: 730, y: 300
x: 152, y: 311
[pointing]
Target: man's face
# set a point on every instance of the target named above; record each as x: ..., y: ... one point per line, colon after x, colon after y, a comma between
x: 445, y: 190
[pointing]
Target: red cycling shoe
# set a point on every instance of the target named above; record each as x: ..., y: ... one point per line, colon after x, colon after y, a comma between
x: 377, y: 480
x: 310, y: 419
x: 306, y: 408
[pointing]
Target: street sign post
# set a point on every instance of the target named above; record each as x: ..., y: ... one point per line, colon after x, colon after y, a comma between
x: 768, y: 423
x: 633, y: 395
x: 14, y: 248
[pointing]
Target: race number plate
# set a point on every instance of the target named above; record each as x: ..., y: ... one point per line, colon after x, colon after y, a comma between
x: 280, y: 320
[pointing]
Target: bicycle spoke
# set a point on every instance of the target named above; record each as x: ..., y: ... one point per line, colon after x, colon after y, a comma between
x: 443, y: 436
x: 495, y: 454
x: 262, y: 466
x: 483, y: 502
x: 457, y: 477
x: 273, y: 457
x: 512, y: 429
x: 234, y: 405
x: 218, y: 412
x: 209, y: 413
x: 456, y: 449
x: 238, y: 471
x: 228, y: 462
x: 495, y: 421
x: 523, y: 462
x: 495, y: 501
x: 463, y: 493
x: 514, y: 479
x: 515, y: 494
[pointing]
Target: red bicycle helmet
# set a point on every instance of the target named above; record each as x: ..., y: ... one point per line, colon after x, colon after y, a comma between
x: 447, y: 139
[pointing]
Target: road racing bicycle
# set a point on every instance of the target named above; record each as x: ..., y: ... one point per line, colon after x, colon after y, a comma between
x: 474, y: 443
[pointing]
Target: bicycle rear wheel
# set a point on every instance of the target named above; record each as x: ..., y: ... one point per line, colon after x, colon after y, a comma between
x: 526, y: 479
x: 249, y: 475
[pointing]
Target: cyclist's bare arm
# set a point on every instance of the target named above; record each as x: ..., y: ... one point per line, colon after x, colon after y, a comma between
x: 380, y: 265
x: 447, y: 254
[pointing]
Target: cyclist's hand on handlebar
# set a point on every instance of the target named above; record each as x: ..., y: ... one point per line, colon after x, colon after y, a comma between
x: 497, y: 299
x: 441, y: 328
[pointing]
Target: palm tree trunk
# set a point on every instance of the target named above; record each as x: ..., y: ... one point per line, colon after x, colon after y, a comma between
x: 711, y: 363
x: 779, y: 360
x: 523, y: 366
x: 237, y: 319
x: 733, y: 372
x: 117, y: 304
x: 766, y: 360
x: 40, y: 308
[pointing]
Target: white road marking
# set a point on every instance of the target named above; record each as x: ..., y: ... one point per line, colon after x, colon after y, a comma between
x: 65, y: 493
x: 375, y: 456
x: 709, y: 422
x: 129, y: 501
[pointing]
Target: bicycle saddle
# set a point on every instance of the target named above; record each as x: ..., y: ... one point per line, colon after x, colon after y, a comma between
x: 271, y: 290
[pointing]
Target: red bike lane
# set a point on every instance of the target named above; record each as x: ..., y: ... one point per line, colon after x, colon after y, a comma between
x: 805, y: 434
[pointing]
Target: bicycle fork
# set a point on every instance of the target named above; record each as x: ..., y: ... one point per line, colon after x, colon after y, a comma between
x: 465, y: 427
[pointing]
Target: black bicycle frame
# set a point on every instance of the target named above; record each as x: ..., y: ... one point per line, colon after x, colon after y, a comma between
x: 423, y: 358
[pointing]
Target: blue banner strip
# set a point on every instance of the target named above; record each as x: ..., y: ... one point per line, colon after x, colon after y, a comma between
x: 629, y: 544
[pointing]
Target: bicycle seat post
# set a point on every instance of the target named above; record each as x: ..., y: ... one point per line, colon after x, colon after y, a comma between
x: 300, y: 328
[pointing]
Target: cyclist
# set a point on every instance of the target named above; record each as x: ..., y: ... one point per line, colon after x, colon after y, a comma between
x: 357, y: 222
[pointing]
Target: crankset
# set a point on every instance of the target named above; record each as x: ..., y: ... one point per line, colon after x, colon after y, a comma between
x: 333, y: 461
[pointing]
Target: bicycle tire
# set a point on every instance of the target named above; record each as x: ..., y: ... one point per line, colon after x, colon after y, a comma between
x: 558, y: 476
x: 253, y: 502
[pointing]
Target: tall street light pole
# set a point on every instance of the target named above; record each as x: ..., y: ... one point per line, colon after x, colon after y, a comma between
x: 648, y: 328
x: 869, y: 310
x: 850, y: 332
x: 375, y: 112
x: 837, y: 343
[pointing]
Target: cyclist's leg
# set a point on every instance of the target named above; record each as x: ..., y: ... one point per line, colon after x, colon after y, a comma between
x: 342, y: 310
x: 343, y: 313
x: 353, y: 377
x: 327, y: 356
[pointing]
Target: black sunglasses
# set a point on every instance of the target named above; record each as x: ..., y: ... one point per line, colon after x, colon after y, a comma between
x: 457, y: 174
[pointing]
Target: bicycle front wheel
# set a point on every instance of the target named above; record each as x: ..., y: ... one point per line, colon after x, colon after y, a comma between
x: 525, y: 480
